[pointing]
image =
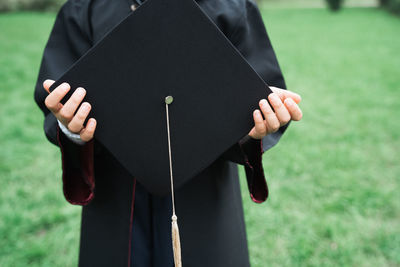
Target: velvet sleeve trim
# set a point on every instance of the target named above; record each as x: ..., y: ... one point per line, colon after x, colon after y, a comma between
x: 77, y: 170
x: 252, y: 151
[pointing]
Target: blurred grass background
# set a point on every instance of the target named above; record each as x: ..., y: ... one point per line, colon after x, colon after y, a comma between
x: 334, y: 178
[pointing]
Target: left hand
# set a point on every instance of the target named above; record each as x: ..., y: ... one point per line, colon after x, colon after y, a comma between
x: 284, y: 103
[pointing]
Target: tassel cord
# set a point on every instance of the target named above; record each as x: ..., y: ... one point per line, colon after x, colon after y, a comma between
x: 170, y: 161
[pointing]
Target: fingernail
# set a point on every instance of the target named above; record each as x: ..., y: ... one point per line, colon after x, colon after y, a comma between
x: 85, y: 107
x: 80, y: 91
x: 91, y: 122
x: 263, y: 102
x: 274, y: 98
x: 65, y: 86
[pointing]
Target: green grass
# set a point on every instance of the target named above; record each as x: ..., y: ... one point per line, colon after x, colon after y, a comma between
x: 334, y: 178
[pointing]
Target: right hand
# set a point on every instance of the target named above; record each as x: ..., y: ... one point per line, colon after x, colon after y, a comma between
x: 283, y: 108
x: 67, y: 113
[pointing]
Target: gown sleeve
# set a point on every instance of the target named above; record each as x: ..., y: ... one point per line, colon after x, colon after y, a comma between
x: 68, y: 41
x: 250, y: 37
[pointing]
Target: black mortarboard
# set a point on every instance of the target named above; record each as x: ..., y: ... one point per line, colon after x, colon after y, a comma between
x: 167, y: 48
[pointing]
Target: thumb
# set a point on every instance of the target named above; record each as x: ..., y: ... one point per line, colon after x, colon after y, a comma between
x: 47, y: 84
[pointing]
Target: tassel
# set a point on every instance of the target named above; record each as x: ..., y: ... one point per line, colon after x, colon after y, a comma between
x: 176, y: 242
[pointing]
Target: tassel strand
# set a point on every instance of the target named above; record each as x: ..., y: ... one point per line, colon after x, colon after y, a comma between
x: 176, y: 242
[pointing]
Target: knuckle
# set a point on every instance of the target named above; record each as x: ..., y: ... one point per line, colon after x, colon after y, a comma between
x: 285, y: 120
x: 87, y: 135
x: 65, y: 114
x: 80, y: 115
x: 275, y: 126
x: 89, y: 130
x: 75, y: 99
x: 73, y: 128
x: 48, y: 103
x: 267, y: 110
x: 274, y: 130
x: 262, y: 130
x: 278, y: 104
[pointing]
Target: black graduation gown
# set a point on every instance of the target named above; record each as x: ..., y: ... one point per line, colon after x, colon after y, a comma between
x: 209, y: 206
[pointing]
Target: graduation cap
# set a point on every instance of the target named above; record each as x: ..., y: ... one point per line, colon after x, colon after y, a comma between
x: 169, y: 92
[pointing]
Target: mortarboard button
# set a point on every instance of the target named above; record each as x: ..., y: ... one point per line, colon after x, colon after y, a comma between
x: 169, y: 99
x: 133, y: 7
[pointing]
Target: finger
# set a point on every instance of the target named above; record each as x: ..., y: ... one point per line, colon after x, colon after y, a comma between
x: 272, y: 122
x: 294, y: 110
x: 259, y: 125
x: 47, y: 84
x: 52, y: 101
x: 283, y: 94
x: 76, y: 124
x: 69, y: 108
x: 88, y: 132
x: 280, y: 110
